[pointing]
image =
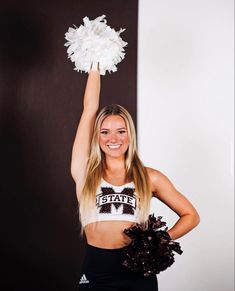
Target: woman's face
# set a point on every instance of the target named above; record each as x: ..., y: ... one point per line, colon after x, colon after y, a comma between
x: 113, y: 137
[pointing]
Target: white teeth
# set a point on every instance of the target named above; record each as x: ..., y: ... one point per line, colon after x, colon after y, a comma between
x: 114, y: 146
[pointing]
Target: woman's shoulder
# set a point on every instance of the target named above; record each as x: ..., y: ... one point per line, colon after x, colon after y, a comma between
x: 156, y: 177
x: 153, y: 174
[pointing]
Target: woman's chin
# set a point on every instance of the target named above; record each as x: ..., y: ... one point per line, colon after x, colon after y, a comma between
x: 115, y: 154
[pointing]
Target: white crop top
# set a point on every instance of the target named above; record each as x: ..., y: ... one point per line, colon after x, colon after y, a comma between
x: 114, y: 203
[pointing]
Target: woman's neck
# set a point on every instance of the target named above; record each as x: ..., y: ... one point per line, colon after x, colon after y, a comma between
x: 114, y: 164
x: 115, y: 169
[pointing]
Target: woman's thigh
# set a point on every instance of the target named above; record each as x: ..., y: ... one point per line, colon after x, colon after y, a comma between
x: 139, y: 283
x: 102, y: 270
x: 108, y: 281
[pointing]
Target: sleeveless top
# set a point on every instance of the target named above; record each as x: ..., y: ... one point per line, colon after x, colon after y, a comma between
x: 114, y: 203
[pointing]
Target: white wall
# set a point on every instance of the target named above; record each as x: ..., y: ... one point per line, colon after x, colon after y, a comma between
x: 185, y: 129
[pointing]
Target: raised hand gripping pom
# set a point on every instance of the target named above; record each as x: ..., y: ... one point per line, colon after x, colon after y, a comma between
x: 95, y: 42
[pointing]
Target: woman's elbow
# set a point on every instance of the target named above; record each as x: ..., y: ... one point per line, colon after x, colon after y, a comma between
x: 196, y: 219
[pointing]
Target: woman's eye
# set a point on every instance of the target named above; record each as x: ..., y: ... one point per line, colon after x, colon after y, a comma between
x: 104, y: 132
x: 122, y: 131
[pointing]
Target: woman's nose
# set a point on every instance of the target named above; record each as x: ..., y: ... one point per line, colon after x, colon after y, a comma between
x: 113, y: 137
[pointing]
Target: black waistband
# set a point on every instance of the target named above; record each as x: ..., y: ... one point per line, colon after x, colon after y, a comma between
x: 116, y: 250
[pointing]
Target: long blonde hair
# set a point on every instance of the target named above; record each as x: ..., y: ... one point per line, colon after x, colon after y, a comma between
x: 135, y: 170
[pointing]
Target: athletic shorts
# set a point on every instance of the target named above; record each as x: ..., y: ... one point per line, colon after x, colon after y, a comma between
x: 102, y: 270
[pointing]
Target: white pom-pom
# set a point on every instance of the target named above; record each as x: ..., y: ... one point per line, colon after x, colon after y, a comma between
x: 95, y: 42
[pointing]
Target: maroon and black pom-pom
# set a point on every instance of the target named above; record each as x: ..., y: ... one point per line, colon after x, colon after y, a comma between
x: 151, y: 249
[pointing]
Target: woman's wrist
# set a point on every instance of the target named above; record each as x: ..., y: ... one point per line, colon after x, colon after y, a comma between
x: 94, y: 66
x: 170, y: 234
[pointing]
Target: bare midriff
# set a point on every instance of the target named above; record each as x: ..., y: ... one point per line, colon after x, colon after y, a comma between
x: 108, y: 234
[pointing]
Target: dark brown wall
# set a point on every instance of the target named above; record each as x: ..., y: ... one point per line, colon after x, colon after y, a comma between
x: 40, y: 105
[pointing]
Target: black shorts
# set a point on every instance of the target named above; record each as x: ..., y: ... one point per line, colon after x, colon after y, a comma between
x: 102, y: 270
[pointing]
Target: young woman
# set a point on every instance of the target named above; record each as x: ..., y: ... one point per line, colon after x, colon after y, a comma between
x: 114, y: 190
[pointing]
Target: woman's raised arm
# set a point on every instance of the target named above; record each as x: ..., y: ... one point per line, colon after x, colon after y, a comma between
x: 81, y: 145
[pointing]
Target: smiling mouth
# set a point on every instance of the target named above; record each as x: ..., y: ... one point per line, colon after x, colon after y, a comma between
x: 113, y: 147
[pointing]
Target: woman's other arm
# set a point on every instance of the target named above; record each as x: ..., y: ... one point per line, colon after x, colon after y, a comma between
x: 165, y: 191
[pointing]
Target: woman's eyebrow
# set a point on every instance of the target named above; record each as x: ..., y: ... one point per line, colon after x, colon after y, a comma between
x: 116, y: 129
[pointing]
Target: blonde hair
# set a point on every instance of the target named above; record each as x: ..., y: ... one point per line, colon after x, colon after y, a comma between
x: 135, y: 170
